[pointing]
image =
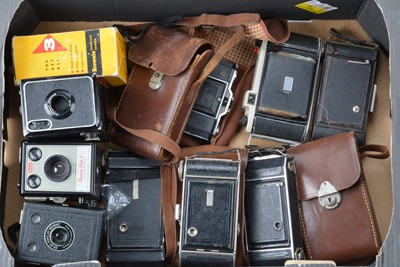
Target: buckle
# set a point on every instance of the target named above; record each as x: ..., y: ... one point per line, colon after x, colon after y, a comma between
x: 329, y: 198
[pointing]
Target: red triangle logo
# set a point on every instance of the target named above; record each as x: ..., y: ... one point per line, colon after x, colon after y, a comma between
x: 49, y: 44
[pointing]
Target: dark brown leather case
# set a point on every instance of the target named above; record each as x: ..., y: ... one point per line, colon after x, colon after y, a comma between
x: 159, y: 94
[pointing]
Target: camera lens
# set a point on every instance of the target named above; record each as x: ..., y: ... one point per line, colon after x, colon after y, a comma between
x: 59, y: 236
x: 57, y: 168
x: 59, y: 104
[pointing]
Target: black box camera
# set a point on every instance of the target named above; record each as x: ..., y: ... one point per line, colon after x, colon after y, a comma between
x: 135, y: 235
x: 280, y: 104
x: 63, y: 106
x: 52, y: 234
x: 272, y: 216
x: 209, y: 212
x: 212, y: 103
x: 64, y: 170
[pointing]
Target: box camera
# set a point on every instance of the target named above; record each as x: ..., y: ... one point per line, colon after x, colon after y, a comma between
x: 272, y: 217
x: 65, y: 170
x: 212, y: 103
x: 347, y: 90
x: 63, y: 106
x: 280, y: 104
x: 52, y: 234
x: 209, y: 212
x: 135, y: 235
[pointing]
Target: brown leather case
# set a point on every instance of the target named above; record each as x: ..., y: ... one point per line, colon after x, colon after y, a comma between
x: 343, y: 227
x: 180, y: 59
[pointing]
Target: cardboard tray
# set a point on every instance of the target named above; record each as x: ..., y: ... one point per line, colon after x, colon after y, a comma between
x: 366, y: 18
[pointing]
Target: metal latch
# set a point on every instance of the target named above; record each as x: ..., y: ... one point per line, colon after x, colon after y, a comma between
x: 329, y: 198
x: 156, y: 80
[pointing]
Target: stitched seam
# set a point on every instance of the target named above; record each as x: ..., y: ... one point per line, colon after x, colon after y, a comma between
x: 303, y: 226
x: 370, y: 216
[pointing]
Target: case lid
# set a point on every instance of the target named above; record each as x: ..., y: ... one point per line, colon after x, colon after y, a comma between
x: 166, y: 50
x: 331, y: 160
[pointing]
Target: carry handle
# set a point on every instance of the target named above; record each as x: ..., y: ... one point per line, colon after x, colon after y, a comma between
x: 374, y: 151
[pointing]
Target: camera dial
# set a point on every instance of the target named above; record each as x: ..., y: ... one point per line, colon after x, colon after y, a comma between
x: 59, y: 104
x: 57, y: 168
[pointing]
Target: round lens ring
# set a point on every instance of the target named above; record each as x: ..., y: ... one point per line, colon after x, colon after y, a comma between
x: 59, y: 236
x: 57, y: 168
x: 59, y: 104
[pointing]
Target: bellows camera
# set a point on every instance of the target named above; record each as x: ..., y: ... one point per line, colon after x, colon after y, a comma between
x: 272, y: 217
x: 212, y: 103
x: 69, y: 170
x: 52, y: 234
x: 280, y: 104
x: 135, y: 235
x: 68, y: 106
x: 209, y: 212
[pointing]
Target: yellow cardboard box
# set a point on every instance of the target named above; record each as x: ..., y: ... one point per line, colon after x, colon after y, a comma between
x: 101, y: 51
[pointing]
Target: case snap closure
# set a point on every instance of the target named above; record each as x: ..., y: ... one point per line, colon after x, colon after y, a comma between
x: 329, y: 198
x: 156, y: 80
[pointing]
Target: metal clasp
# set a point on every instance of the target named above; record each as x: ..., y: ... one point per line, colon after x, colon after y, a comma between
x: 156, y: 80
x: 329, y: 198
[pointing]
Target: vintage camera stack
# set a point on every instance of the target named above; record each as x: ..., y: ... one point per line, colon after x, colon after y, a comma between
x: 60, y: 161
x: 64, y: 119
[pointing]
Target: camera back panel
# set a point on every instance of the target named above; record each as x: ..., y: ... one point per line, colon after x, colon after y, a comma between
x: 272, y: 218
x: 136, y: 233
x: 53, y: 234
x: 209, y: 211
x: 280, y: 104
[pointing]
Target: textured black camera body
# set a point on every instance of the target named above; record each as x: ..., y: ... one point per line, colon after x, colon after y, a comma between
x: 66, y: 170
x: 272, y: 217
x: 135, y: 234
x: 280, y: 104
x: 52, y: 234
x: 209, y: 212
x: 347, y: 90
x: 63, y: 106
x: 212, y: 103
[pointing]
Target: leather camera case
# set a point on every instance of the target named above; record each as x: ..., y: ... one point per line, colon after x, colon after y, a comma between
x: 159, y: 94
x: 336, y: 213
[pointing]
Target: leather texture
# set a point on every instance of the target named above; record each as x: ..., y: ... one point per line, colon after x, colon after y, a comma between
x: 346, y: 90
x: 181, y: 59
x: 349, y: 232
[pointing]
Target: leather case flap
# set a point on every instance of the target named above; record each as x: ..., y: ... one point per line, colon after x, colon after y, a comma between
x: 166, y: 50
x: 333, y: 159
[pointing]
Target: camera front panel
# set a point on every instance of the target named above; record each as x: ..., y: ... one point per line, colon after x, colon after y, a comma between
x: 53, y: 234
x: 58, y: 169
x: 210, y: 205
x: 212, y: 103
x: 59, y: 104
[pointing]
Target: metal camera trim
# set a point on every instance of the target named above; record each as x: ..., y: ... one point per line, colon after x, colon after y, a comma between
x: 50, y: 230
x: 65, y: 95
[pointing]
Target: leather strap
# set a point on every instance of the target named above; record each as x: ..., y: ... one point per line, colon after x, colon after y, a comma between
x: 374, y: 151
x: 168, y: 203
x: 219, y: 54
x: 155, y: 137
